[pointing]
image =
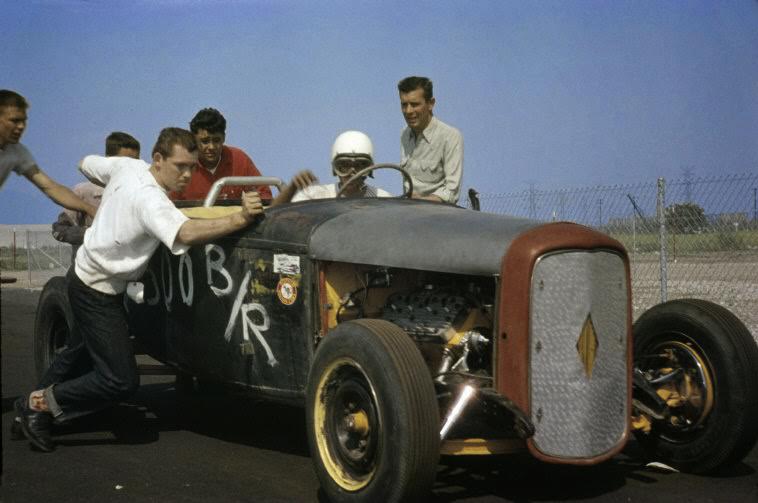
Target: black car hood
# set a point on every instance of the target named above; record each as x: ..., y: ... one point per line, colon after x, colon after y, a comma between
x: 395, y: 233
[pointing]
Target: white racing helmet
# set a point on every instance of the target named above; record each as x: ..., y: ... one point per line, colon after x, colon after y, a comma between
x: 352, y: 145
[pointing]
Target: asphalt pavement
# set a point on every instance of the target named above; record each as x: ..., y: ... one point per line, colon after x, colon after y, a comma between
x: 227, y: 449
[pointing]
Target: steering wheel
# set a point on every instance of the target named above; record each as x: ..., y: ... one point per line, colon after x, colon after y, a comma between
x: 407, y: 181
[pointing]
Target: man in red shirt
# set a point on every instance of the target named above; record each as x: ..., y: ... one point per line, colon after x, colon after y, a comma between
x: 216, y: 160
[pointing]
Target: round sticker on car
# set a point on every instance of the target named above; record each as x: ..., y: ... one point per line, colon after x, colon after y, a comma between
x: 286, y: 290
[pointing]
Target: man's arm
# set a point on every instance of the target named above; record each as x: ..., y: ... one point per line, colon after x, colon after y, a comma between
x: 301, y: 180
x: 198, y: 231
x: 58, y: 193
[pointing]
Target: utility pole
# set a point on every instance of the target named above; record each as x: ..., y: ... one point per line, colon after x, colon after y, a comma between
x: 636, y: 206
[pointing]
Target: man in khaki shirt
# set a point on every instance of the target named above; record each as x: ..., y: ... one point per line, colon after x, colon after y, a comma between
x: 431, y: 151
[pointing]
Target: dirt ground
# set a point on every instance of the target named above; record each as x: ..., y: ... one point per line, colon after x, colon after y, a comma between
x: 729, y: 281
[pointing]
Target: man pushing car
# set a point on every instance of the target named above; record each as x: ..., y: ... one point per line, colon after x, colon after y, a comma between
x: 134, y: 218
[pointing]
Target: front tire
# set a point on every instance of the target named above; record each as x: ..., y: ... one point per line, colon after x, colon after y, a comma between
x: 372, y: 415
x: 703, y: 362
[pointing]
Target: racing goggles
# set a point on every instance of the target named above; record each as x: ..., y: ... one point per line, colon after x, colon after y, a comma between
x: 346, y: 166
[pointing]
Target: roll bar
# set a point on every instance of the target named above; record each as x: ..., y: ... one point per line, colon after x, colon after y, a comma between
x: 210, y: 199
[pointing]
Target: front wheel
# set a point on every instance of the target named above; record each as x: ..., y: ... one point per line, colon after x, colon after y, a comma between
x: 702, y: 362
x: 372, y: 415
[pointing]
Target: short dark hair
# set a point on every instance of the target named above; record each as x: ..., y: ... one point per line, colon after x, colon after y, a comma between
x: 410, y: 84
x: 118, y: 140
x: 10, y: 98
x: 171, y: 136
x: 209, y: 119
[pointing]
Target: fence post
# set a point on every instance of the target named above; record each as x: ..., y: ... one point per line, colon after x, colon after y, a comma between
x: 634, y: 236
x: 29, y: 256
x: 661, y: 208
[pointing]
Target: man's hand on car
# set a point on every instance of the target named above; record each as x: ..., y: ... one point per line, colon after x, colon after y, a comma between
x: 252, y: 205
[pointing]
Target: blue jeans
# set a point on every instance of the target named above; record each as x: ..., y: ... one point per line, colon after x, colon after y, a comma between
x: 100, y: 321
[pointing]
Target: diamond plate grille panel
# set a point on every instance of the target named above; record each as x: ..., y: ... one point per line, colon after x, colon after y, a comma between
x: 576, y: 413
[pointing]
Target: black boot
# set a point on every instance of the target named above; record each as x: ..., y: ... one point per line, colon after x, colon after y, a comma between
x: 36, y: 426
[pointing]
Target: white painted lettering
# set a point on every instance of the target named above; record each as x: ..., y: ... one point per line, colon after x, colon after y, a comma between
x: 217, y: 265
x: 168, y: 290
x: 236, y: 306
x: 248, y: 324
x: 185, y: 262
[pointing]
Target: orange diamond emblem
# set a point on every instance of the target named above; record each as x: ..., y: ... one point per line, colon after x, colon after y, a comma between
x: 587, y: 346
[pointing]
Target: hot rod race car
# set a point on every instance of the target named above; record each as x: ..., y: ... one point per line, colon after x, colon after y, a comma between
x: 410, y: 329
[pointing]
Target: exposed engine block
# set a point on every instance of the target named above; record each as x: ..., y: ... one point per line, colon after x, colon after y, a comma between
x: 426, y: 315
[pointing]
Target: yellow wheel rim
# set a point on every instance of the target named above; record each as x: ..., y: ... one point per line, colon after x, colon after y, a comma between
x: 686, y: 384
x: 346, y: 424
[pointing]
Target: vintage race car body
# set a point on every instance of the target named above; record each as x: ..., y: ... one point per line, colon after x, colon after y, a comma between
x: 410, y: 329
x: 251, y: 308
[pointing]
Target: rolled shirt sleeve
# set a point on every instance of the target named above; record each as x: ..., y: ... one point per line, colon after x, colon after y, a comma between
x: 98, y: 169
x: 15, y: 157
x: 162, y: 219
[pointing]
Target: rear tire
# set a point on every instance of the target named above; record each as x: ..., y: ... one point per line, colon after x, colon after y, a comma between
x: 702, y: 360
x: 53, y: 324
x: 372, y: 415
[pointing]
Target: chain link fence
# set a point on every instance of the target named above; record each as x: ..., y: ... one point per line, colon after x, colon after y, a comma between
x: 686, y: 238
x: 29, y: 255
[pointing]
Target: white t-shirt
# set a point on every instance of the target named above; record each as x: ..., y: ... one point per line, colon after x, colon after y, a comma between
x: 329, y: 190
x: 15, y: 157
x: 134, y: 217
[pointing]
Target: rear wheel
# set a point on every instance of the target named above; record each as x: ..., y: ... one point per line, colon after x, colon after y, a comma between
x: 53, y: 325
x: 372, y: 415
x: 703, y: 363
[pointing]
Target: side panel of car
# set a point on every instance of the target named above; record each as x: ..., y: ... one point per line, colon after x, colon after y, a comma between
x: 231, y: 314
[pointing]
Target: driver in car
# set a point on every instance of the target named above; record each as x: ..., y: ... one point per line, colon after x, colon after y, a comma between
x: 352, y: 152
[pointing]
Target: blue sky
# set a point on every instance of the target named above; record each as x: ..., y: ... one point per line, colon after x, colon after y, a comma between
x: 558, y: 94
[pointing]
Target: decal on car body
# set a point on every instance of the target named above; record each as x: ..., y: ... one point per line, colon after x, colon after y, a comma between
x: 286, y: 264
x: 286, y: 290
